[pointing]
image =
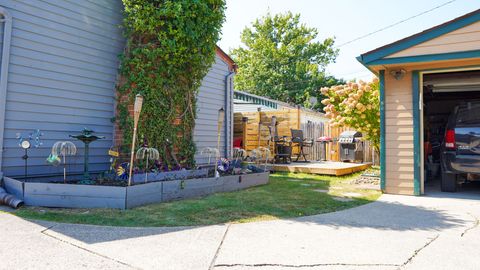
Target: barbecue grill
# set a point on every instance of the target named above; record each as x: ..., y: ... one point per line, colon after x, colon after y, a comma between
x: 351, y: 146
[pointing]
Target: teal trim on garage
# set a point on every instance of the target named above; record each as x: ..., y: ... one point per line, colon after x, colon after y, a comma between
x: 383, y: 158
x: 426, y: 58
x: 421, y: 37
x: 416, y: 132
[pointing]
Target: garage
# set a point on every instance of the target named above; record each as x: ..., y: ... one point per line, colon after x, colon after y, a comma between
x: 429, y: 88
x: 451, y: 105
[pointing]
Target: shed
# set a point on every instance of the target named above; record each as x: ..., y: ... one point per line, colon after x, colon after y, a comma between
x: 422, y: 78
x: 59, y: 62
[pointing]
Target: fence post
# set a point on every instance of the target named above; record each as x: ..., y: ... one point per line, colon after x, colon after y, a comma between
x: 259, y: 111
x: 244, y: 132
x: 299, y: 118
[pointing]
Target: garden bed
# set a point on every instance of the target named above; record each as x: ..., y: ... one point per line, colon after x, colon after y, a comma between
x: 95, y: 196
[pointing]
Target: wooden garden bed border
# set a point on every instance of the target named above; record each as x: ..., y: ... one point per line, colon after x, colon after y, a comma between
x: 93, y: 196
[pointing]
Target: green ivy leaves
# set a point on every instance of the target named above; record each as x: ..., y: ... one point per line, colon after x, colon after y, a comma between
x: 170, y: 47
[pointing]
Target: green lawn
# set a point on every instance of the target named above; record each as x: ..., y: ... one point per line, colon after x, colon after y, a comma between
x: 286, y: 196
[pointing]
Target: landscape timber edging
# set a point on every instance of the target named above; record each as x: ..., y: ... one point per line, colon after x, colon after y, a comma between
x: 95, y: 196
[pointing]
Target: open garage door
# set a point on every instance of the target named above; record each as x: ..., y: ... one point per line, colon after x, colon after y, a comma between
x: 451, y: 131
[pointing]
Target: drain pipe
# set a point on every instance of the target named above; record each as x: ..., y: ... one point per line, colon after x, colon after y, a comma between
x: 228, y: 112
x: 9, y: 199
x: 7, y: 35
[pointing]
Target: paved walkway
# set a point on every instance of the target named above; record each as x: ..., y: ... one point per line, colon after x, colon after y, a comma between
x: 439, y: 231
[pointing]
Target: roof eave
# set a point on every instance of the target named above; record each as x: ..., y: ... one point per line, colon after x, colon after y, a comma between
x: 418, y: 38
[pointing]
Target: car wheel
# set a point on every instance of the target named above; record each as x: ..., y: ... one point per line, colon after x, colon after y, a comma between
x: 449, y: 182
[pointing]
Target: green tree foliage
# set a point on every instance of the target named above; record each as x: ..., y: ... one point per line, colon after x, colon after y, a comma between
x: 281, y: 59
x: 170, y: 47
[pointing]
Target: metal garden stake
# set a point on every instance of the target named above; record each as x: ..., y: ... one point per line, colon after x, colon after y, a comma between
x: 137, y: 108
x: 25, y: 144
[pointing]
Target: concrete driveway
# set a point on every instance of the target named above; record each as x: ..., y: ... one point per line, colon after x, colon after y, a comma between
x: 439, y: 231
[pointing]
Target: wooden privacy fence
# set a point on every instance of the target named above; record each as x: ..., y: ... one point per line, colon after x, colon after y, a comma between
x: 246, y: 127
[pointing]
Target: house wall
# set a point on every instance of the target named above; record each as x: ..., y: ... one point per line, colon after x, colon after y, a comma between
x: 463, y: 39
x: 212, y: 96
x: 63, y: 68
x: 399, y: 135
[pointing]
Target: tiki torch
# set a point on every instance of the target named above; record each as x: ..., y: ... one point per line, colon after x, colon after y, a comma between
x: 137, y: 108
x: 221, y: 117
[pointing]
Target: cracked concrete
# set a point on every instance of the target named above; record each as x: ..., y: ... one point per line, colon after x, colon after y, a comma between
x: 439, y: 231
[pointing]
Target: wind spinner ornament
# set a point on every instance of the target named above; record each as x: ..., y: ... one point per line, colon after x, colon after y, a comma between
x: 147, y: 153
x: 210, y: 152
x: 223, y: 165
x: 25, y: 144
x: 122, y: 171
x: 64, y: 149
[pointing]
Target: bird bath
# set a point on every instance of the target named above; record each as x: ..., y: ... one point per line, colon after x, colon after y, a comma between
x: 87, y: 137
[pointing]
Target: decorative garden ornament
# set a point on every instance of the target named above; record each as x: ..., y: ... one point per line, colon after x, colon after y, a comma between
x: 239, y: 155
x: 122, y: 171
x: 25, y: 144
x: 114, y: 155
x: 210, y: 152
x: 147, y: 153
x: 87, y: 137
x: 261, y: 153
x: 54, y: 160
x: 137, y: 108
x: 265, y: 154
x: 223, y: 165
x: 64, y: 148
x: 221, y: 118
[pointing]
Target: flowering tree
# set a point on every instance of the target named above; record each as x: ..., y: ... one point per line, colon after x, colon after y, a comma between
x: 355, y: 105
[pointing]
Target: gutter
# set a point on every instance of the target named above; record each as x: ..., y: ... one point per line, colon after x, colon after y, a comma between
x: 228, y: 114
x: 360, y: 59
x: 7, y: 35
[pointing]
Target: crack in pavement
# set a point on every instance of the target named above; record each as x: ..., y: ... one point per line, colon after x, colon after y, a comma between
x: 416, y: 252
x: 305, y: 265
x: 212, y: 264
x: 475, y: 224
x: 44, y: 232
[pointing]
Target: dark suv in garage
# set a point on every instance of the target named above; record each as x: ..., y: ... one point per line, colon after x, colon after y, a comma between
x: 460, y: 156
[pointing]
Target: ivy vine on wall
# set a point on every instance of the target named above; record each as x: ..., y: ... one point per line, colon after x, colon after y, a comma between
x: 170, y: 47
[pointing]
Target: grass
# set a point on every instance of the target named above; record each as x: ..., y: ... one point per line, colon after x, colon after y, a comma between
x: 287, y: 195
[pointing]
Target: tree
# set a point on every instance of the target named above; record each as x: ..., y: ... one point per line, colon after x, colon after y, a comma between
x: 355, y: 105
x: 280, y: 59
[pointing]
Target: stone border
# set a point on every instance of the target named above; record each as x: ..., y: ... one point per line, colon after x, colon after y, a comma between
x: 86, y: 196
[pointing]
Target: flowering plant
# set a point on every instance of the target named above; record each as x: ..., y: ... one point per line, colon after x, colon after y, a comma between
x: 356, y: 105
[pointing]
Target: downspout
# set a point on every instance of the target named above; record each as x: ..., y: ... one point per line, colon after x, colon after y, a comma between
x: 7, y: 20
x: 228, y: 114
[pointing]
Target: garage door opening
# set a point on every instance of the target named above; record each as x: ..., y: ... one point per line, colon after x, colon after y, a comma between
x: 451, y: 131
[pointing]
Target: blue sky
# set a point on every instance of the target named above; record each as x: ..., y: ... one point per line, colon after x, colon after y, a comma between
x: 346, y: 20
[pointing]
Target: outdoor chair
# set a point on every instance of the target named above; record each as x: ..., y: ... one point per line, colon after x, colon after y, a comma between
x: 301, y: 142
x: 282, y: 147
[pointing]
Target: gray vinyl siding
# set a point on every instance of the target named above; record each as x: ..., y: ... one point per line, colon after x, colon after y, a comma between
x: 63, y: 68
x: 211, y: 98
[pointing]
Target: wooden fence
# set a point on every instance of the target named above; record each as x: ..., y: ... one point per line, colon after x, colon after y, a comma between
x: 246, y: 126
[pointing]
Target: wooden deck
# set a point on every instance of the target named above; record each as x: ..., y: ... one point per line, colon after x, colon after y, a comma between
x: 318, y: 167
